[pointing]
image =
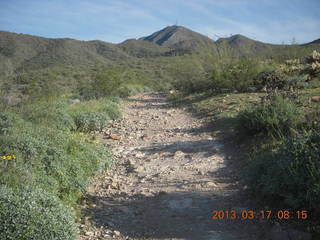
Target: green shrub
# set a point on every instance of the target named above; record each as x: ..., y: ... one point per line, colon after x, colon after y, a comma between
x: 53, y: 114
x: 91, y: 121
x: 114, y: 81
x: 297, y: 82
x: 314, y: 83
x: 6, y: 122
x: 239, y: 76
x: 189, y: 76
x: 112, y: 110
x: 292, y: 173
x: 58, y: 161
x: 126, y: 91
x: 275, y: 118
x: 272, y: 79
x: 115, y: 99
x: 29, y: 213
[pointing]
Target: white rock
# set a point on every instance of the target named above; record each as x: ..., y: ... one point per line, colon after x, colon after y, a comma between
x: 211, y: 184
x: 139, y: 155
x: 90, y: 234
x: 178, y: 154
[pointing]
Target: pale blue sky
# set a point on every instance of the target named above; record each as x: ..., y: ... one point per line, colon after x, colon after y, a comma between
x: 273, y: 21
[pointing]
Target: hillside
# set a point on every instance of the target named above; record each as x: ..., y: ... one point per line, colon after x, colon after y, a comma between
x: 244, y: 46
x: 140, y: 48
x: 22, y: 52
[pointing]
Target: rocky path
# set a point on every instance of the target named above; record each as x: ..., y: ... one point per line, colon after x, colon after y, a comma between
x: 170, y: 174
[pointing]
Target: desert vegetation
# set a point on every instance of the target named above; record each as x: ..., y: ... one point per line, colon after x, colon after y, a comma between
x: 268, y: 106
x: 53, y: 102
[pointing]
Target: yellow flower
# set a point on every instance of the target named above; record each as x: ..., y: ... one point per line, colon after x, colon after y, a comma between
x: 4, y: 157
x: 9, y: 157
x: 14, y: 156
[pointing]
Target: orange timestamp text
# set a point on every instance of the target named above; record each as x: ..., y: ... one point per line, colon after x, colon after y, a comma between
x: 262, y: 214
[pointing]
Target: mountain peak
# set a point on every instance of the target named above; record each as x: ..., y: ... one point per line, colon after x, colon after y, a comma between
x: 235, y: 39
x: 177, y: 36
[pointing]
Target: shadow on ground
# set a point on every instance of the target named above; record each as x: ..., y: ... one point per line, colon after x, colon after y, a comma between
x: 208, y: 147
x: 184, y: 213
x: 174, y: 215
x: 157, y: 102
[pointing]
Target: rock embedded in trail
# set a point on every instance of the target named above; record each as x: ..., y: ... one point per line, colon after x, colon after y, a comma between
x: 178, y: 154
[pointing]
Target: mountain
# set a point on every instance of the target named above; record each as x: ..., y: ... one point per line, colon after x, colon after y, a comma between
x: 239, y: 41
x: 244, y: 46
x: 177, y: 37
x: 26, y: 52
x: 140, y: 48
x: 22, y: 51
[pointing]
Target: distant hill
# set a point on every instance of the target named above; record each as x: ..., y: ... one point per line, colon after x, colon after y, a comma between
x: 244, y: 46
x: 238, y: 39
x: 177, y: 37
x: 23, y: 52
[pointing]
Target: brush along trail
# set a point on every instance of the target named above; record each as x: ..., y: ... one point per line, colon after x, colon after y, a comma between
x: 169, y: 175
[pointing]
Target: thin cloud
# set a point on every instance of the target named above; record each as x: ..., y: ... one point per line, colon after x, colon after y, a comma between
x: 264, y: 20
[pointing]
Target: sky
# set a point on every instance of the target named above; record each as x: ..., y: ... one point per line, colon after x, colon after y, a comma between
x: 272, y: 21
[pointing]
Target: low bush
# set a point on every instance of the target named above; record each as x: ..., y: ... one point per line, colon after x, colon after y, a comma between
x: 271, y: 80
x: 314, y: 83
x: 114, y: 81
x: 189, y: 76
x: 115, y: 99
x: 275, y: 118
x: 291, y: 173
x: 239, y: 76
x: 58, y: 161
x: 91, y: 121
x: 6, y: 122
x: 52, y: 114
x: 298, y: 82
x: 29, y: 213
x: 113, y: 111
x: 127, y: 90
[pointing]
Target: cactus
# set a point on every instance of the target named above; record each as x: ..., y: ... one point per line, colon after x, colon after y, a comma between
x: 313, y: 65
x: 291, y: 66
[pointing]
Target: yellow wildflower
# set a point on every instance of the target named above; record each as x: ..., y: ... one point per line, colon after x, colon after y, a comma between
x: 14, y: 156
x: 4, y: 157
x: 9, y: 157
